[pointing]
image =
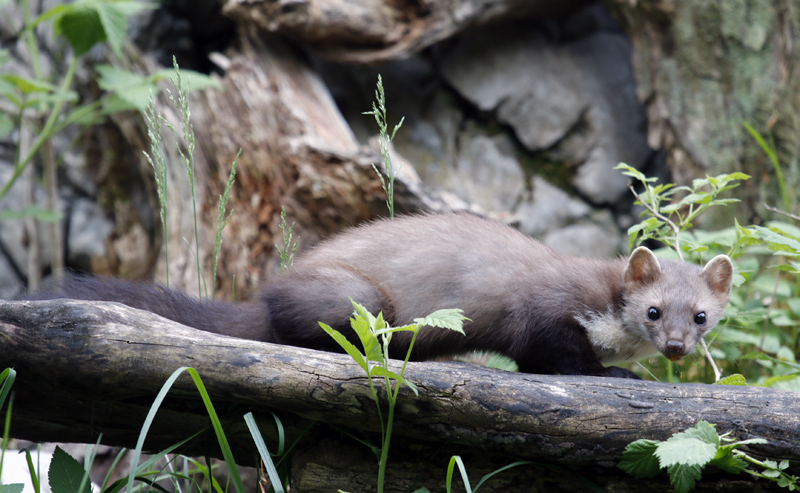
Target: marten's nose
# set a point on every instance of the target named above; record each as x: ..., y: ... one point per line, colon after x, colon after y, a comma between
x: 675, y: 350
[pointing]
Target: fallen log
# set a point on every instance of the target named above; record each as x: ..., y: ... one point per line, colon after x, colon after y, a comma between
x: 86, y: 368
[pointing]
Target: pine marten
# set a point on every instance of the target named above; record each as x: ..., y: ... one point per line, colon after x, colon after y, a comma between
x: 549, y: 312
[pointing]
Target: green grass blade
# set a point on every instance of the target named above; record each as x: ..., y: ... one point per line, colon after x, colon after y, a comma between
x: 7, y: 378
x: 87, y: 464
x: 266, y: 458
x: 223, y: 440
x: 509, y: 466
x: 453, y: 461
x: 34, y: 472
x: 281, y: 434
x: 6, y: 430
x: 146, y: 426
x: 111, y: 469
x: 135, y: 470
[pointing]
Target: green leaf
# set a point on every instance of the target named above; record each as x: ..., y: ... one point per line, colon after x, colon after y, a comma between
x: 66, y: 474
x: 116, y: 79
x: 364, y: 325
x: 7, y: 125
x: 735, y: 379
x: 130, y: 7
x: 770, y: 382
x: 704, y: 431
x: 82, y: 27
x: 684, y: 476
x: 633, y: 173
x: 667, y: 209
x: 379, y: 371
x: 133, y: 89
x: 449, y: 318
x: 115, y: 24
x: 50, y: 99
x: 116, y: 104
x: 346, y: 345
x: 639, y: 459
x: 777, y: 241
x: 402, y: 328
x: 749, y: 441
x: 728, y: 462
x: 502, y: 362
x: 725, y: 201
x: 696, y: 198
x: 701, y: 182
x: 53, y: 14
x: 680, y: 449
x: 13, y: 488
x: 86, y: 23
x: 736, y: 176
x: 26, y: 85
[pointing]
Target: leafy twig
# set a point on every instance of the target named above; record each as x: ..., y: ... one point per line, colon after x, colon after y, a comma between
x: 375, y: 335
x: 675, y: 229
x: 784, y: 213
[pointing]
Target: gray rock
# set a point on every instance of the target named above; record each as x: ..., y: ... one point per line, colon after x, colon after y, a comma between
x: 523, y: 77
x: 547, y: 91
x: 10, y: 284
x: 548, y: 208
x: 87, y: 234
x: 486, y: 173
x: 585, y: 239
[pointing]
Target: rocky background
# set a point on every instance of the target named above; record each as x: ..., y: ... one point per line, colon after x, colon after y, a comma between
x: 514, y: 110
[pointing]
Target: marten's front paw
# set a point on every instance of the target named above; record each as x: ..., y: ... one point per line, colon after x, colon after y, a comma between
x: 615, y: 371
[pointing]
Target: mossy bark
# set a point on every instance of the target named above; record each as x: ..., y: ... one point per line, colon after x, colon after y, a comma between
x: 705, y: 68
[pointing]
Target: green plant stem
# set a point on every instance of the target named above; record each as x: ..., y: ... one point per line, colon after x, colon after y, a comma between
x: 386, y: 442
x: 46, y: 132
x: 653, y: 208
x: 378, y: 404
x: 29, y: 35
x: 197, y: 240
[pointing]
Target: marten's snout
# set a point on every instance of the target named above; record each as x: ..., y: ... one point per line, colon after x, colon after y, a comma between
x: 675, y: 350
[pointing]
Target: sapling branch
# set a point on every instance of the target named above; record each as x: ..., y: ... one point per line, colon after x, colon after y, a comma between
x: 783, y: 213
x: 675, y: 229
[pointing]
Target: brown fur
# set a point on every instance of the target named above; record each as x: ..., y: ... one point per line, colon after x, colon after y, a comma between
x: 551, y: 313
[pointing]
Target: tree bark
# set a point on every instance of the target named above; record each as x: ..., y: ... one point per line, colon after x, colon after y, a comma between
x: 381, y: 30
x: 705, y: 68
x: 86, y: 368
x: 297, y: 152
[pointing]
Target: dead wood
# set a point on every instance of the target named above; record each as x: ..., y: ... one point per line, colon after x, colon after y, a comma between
x: 86, y: 368
x: 381, y: 30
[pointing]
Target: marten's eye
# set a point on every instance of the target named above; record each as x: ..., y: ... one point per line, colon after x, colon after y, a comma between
x: 653, y: 313
x: 700, y: 318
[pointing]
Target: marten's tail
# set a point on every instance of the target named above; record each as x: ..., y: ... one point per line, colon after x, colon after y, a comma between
x: 246, y: 320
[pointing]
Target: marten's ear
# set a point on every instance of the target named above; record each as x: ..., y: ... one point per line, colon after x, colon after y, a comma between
x: 718, y: 273
x: 643, y: 267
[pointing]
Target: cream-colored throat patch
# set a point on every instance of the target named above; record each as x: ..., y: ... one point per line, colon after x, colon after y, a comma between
x: 612, y: 343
